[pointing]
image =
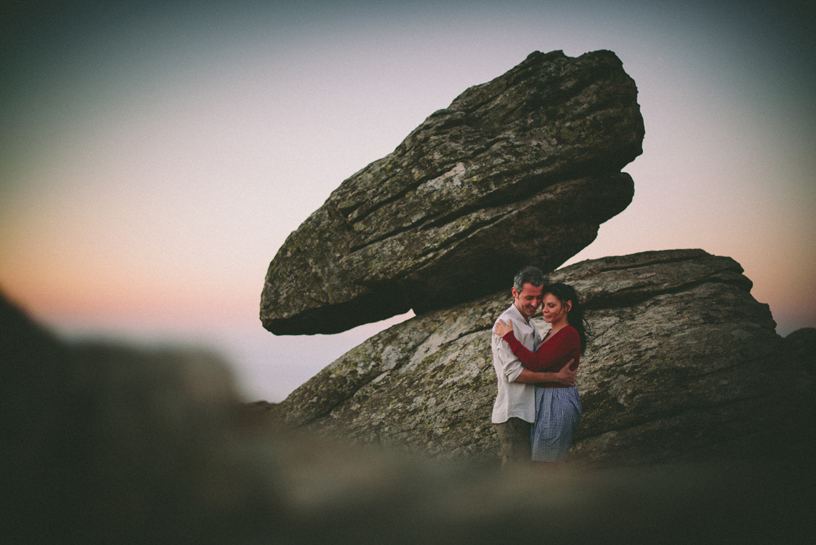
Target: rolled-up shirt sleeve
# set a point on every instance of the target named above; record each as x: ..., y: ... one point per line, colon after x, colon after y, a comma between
x: 510, y: 364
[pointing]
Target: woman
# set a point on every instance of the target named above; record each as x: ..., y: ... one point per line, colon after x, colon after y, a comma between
x: 558, y: 407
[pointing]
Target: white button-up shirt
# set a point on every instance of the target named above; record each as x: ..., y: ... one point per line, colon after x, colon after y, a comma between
x: 514, y: 399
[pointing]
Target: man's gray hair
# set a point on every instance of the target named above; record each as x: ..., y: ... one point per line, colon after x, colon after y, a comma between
x: 529, y: 275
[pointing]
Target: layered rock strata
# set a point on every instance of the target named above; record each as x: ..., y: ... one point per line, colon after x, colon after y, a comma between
x: 525, y: 165
x: 682, y: 363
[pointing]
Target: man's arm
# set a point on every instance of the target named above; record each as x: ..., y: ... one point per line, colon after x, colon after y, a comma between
x: 564, y: 376
x: 509, y: 363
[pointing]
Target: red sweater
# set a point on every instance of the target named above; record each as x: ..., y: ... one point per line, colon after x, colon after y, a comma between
x: 552, y: 355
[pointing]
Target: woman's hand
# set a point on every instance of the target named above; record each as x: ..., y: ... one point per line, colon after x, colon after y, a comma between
x: 501, y: 329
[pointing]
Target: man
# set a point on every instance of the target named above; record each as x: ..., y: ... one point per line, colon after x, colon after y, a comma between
x: 514, y: 408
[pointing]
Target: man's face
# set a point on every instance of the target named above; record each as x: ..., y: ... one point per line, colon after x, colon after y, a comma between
x: 529, y: 299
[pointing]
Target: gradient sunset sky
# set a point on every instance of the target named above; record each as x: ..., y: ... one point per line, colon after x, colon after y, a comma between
x: 155, y: 155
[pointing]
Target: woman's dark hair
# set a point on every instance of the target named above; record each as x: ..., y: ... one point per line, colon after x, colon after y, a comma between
x: 575, y: 317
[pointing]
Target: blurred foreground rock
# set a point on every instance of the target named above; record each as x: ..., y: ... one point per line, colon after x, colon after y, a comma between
x: 526, y: 166
x: 683, y: 364
x: 802, y: 343
x: 107, y: 444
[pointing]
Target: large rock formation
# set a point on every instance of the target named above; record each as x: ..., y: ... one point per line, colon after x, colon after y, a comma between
x: 522, y: 168
x: 683, y: 363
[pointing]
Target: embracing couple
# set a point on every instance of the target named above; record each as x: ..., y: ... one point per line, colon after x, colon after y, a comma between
x: 537, y: 408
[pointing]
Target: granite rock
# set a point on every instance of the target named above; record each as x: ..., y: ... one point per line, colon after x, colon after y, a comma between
x: 682, y: 363
x: 527, y: 164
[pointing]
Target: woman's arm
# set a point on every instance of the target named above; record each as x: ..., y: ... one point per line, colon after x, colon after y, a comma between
x: 565, y: 376
x: 561, y: 346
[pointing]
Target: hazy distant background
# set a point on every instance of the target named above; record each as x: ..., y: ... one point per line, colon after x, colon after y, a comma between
x: 155, y: 155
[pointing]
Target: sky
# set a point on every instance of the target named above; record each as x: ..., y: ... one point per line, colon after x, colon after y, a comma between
x: 155, y: 155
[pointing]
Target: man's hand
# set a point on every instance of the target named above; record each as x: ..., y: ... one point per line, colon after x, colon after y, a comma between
x: 566, y: 376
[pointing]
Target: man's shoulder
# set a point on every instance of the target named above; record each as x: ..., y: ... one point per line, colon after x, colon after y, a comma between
x: 511, y: 313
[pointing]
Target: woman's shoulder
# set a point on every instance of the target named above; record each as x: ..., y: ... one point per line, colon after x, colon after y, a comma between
x: 570, y: 338
x: 568, y: 331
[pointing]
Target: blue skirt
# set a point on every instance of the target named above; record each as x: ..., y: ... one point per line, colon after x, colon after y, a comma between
x: 558, y: 413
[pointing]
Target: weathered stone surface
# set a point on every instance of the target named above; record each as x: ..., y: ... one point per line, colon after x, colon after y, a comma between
x: 682, y: 363
x: 525, y: 165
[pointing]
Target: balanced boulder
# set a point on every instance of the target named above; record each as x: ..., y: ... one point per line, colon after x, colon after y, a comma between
x: 520, y: 170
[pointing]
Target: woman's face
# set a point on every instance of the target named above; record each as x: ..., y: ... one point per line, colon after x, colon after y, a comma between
x: 553, y: 310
